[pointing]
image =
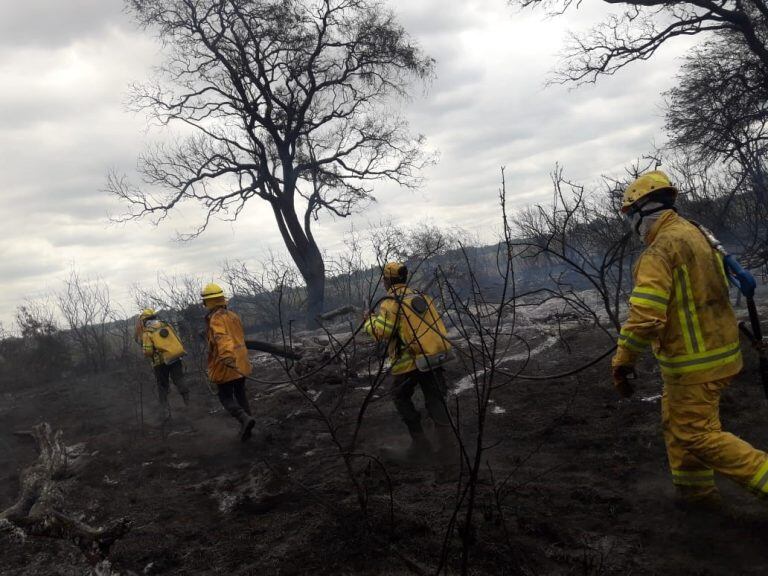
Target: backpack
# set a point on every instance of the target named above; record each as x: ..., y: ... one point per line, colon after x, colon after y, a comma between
x: 167, y: 343
x: 422, y: 332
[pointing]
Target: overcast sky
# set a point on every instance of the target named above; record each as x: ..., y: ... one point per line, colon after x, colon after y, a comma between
x: 65, y: 67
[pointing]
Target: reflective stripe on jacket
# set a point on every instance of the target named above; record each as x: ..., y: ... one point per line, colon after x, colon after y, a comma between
x: 407, y: 333
x: 226, y: 344
x: 680, y: 307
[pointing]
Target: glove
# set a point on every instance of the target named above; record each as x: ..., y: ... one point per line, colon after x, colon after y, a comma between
x: 621, y: 380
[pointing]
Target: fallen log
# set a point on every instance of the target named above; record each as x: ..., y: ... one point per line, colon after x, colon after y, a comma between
x: 44, y: 489
x: 261, y: 346
x: 331, y: 314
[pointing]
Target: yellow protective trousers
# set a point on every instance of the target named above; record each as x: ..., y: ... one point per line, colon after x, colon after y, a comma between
x: 697, y: 447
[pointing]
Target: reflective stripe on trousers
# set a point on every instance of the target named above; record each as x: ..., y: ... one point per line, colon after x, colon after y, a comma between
x: 693, y: 477
x: 759, y: 483
x: 697, y: 445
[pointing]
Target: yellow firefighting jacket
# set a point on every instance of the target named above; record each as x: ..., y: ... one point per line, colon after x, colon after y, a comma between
x: 226, y: 344
x: 409, y: 333
x: 679, y: 306
x: 160, y: 342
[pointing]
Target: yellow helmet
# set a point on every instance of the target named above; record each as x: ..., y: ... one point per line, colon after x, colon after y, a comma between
x: 646, y: 184
x: 394, y: 270
x: 147, y: 313
x: 212, y: 291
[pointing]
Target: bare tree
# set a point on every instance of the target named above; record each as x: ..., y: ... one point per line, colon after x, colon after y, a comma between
x: 35, y: 318
x: 423, y: 247
x: 583, y: 242
x: 641, y: 27
x: 87, y: 309
x: 45, y: 347
x: 717, y: 108
x: 716, y: 112
x: 352, y: 282
x: 287, y: 101
x: 271, y: 293
x: 718, y: 123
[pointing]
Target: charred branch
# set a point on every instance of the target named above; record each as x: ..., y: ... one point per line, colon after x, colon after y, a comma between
x: 44, y: 487
x: 641, y: 27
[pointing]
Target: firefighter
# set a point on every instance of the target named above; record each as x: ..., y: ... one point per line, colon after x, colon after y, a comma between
x: 679, y: 306
x: 228, y: 362
x: 161, y: 344
x: 415, y: 336
x: 138, y: 328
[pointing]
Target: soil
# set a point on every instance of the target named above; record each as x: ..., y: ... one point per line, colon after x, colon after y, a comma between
x: 587, y: 488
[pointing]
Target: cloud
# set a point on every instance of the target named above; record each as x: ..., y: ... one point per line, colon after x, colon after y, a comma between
x: 53, y: 23
x: 505, y: 116
x: 66, y: 67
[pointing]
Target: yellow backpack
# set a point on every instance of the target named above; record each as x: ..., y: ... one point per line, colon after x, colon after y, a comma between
x: 167, y: 343
x: 422, y: 331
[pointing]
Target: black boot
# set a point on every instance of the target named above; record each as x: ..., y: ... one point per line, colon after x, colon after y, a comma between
x: 164, y: 412
x: 448, y: 465
x: 420, y: 447
x: 246, y: 425
x: 446, y: 442
x: 699, y: 499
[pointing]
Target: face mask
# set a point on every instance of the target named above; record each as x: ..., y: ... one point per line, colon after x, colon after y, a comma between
x: 641, y: 217
x: 634, y: 219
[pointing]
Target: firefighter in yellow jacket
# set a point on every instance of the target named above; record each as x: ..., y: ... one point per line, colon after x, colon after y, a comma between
x: 415, y: 335
x: 138, y: 327
x: 679, y: 307
x: 228, y: 362
x: 161, y: 344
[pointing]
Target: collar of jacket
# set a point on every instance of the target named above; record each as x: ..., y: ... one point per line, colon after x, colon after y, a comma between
x: 668, y: 217
x: 397, y: 287
x: 214, y: 310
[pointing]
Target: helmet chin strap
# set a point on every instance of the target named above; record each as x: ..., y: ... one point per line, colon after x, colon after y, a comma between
x: 649, y: 209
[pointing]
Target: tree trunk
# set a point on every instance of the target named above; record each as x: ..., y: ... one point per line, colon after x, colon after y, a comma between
x: 307, y: 257
x: 315, y: 280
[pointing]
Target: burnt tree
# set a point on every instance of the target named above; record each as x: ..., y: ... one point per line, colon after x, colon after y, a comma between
x: 288, y: 101
x: 584, y: 241
x: 716, y: 111
x: 640, y: 27
x: 716, y: 115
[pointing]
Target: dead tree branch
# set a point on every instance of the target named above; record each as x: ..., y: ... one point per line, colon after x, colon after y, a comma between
x: 44, y: 488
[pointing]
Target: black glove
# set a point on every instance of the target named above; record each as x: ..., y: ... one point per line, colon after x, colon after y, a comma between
x: 621, y: 380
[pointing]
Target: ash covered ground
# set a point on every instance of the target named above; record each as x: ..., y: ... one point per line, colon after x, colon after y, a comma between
x: 587, y: 486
